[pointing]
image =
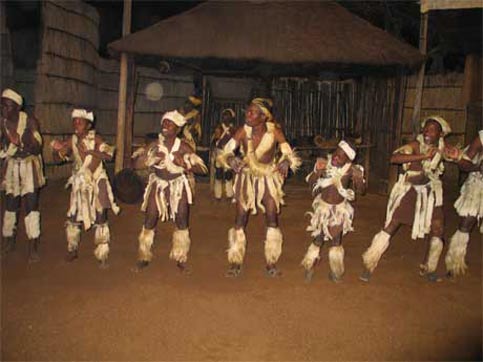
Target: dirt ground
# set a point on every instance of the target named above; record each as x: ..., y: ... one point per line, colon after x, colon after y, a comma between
x: 58, y: 311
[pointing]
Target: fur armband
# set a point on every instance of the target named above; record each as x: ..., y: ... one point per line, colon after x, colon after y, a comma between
x: 361, y: 170
x: 291, y: 156
x: 139, y: 152
x: 37, y: 137
x: 192, y: 159
x: 405, y: 150
x: 61, y: 154
x: 228, y: 152
x: 105, y: 148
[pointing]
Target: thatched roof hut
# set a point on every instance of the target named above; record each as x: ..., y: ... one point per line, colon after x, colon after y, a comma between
x: 278, y: 38
x: 268, y: 40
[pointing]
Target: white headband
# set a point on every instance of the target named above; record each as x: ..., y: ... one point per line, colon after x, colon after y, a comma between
x: 229, y: 110
x: 445, y: 127
x: 176, y: 117
x: 349, y: 151
x: 12, y: 95
x: 82, y: 113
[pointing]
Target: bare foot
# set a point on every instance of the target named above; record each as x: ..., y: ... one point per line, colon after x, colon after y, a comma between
x: 183, y: 268
x: 103, y: 264
x: 272, y: 271
x: 234, y: 271
x: 8, y: 246
x: 432, y: 277
x: 334, y: 278
x: 34, y: 257
x: 71, y: 256
x: 429, y: 276
x: 309, y: 274
x: 365, y: 276
x: 140, y: 266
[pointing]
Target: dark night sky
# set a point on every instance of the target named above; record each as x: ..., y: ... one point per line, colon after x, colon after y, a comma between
x: 452, y: 34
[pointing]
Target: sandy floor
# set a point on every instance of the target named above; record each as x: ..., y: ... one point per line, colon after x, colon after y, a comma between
x: 58, y: 311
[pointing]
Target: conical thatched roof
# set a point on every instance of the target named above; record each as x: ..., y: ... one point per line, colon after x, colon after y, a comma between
x: 243, y: 35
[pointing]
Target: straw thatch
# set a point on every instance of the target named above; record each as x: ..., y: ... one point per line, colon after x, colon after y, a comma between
x: 294, y: 37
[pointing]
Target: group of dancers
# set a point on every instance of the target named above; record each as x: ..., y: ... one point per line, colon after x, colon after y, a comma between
x: 250, y: 165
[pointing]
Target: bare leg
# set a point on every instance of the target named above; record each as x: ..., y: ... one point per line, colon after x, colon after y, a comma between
x: 434, y: 250
x: 379, y: 244
x: 102, y: 238
x: 273, y: 242
x: 336, y: 256
x: 72, y: 231
x: 312, y: 257
x: 9, y: 221
x: 456, y: 254
x: 146, y: 237
x: 181, y: 239
x: 32, y: 225
x: 237, y: 242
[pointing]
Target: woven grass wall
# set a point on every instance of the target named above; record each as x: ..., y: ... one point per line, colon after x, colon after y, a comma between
x: 66, y: 70
x: 6, y: 61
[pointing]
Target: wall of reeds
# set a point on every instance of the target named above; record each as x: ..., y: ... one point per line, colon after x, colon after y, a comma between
x: 6, y: 59
x: 66, y: 70
x: 365, y: 108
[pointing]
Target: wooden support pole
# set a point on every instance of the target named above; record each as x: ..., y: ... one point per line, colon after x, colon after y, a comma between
x: 131, y: 104
x: 205, y: 125
x: 121, y: 113
x: 423, y: 46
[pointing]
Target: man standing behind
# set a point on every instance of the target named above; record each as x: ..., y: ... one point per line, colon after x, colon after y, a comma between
x: 191, y: 132
x: 22, y: 174
x: 222, y: 177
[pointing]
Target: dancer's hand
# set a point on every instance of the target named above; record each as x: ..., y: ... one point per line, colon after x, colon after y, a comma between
x: 14, y: 138
x: 452, y: 153
x: 431, y: 153
x: 236, y: 164
x: 320, y: 164
x: 56, y: 145
x: 178, y: 160
x: 283, y: 167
